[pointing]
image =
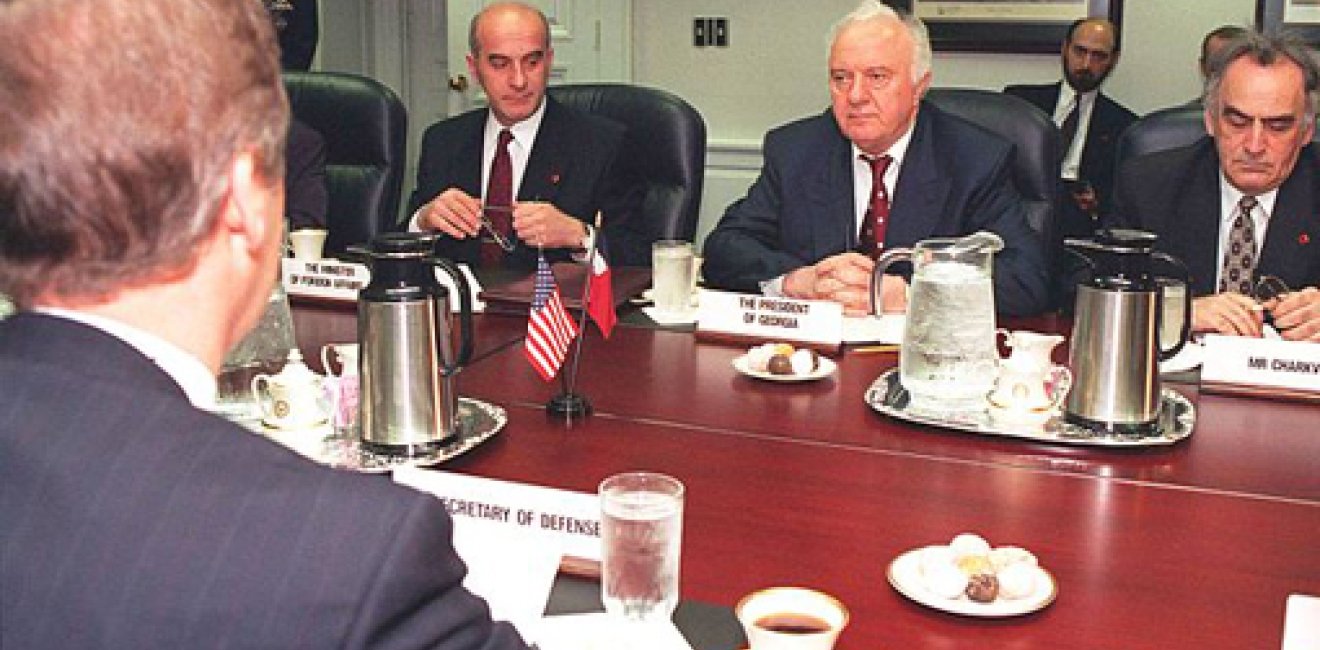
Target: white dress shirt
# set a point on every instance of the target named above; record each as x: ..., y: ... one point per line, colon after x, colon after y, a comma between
x: 196, y: 380
x: 1072, y: 160
x: 1229, y: 197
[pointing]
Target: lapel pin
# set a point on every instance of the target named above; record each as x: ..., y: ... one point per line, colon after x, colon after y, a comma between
x: 1304, y: 239
x: 554, y: 177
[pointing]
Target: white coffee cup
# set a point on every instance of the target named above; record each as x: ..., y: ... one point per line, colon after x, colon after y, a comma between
x: 791, y: 618
x: 308, y: 243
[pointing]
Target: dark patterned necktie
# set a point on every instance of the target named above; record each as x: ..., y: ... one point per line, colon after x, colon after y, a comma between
x: 499, y: 201
x: 871, y: 239
x: 1240, y: 256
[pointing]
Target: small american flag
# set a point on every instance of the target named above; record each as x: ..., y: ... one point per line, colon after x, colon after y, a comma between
x: 549, y: 328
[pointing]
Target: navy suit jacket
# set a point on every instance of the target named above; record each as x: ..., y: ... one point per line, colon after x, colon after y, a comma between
x: 132, y: 519
x: 956, y: 179
x: 1175, y: 194
x: 571, y: 166
x: 1108, y: 121
x: 306, y: 197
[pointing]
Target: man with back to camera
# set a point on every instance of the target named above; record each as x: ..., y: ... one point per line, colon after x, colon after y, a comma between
x: 1089, y: 121
x: 822, y: 208
x: 141, y: 187
x: 1243, y: 203
x: 558, y: 171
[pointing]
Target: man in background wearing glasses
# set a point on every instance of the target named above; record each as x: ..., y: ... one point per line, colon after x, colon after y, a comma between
x: 881, y: 170
x: 1241, y: 208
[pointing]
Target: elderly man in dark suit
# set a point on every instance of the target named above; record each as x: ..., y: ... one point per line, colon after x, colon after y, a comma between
x: 882, y: 169
x: 1090, y: 122
x: 535, y: 170
x: 1243, y: 203
x: 141, y: 186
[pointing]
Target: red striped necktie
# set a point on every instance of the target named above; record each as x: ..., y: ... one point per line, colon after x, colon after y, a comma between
x: 871, y: 239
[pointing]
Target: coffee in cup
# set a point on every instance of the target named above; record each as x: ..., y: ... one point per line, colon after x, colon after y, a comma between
x: 791, y: 618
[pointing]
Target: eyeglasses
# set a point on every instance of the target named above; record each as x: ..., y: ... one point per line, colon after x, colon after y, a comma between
x: 1269, y: 287
x: 500, y: 239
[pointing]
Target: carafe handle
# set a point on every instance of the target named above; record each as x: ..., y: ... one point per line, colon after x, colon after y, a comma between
x: 464, y: 315
x: 1185, y: 334
x: 878, y: 273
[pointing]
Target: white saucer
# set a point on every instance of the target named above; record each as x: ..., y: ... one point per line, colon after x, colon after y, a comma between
x: 824, y: 368
x: 905, y: 576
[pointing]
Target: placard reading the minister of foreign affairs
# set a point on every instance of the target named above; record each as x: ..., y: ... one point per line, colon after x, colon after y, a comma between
x: 328, y: 279
x: 770, y: 318
x: 1273, y: 363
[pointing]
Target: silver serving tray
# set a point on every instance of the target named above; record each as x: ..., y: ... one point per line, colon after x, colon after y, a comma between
x: 1177, y: 418
x: 478, y: 422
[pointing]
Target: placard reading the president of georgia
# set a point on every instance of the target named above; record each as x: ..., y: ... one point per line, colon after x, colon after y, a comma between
x: 744, y: 316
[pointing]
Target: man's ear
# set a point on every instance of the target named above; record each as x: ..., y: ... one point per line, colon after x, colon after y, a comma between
x: 251, y: 198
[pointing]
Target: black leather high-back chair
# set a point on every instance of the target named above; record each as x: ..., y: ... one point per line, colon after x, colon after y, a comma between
x: 365, y: 128
x: 1036, y: 139
x: 664, y: 148
x: 1167, y: 128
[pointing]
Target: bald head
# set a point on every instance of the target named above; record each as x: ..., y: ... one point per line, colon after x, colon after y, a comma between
x: 1089, y: 53
x: 500, y: 16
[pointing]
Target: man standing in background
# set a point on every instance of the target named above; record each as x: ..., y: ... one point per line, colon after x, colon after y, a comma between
x: 1089, y: 122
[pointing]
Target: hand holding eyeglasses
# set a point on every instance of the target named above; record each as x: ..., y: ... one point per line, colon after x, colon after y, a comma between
x: 1295, y: 314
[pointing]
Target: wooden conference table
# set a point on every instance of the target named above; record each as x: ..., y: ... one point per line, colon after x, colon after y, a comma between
x: 1191, y: 546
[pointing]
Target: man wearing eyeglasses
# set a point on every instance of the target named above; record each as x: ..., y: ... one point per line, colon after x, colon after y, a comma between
x: 1241, y: 208
x: 882, y: 169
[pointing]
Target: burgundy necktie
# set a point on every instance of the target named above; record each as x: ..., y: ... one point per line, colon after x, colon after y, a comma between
x: 1240, y: 258
x: 871, y: 240
x: 499, y: 201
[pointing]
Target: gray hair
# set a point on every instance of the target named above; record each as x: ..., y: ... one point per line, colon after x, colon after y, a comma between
x: 1263, y: 50
x: 474, y: 45
x: 874, y: 9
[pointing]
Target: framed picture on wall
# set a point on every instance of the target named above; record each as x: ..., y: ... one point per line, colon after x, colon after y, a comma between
x: 1009, y: 25
x: 1298, y: 16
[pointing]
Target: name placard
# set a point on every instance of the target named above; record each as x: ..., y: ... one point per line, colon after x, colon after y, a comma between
x: 745, y: 316
x: 324, y: 279
x: 1265, y: 367
x: 570, y: 518
x: 341, y: 281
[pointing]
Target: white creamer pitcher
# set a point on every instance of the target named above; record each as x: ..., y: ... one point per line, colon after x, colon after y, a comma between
x: 948, y: 361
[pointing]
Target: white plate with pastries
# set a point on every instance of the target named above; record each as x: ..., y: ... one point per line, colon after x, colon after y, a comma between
x: 801, y: 365
x: 947, y: 577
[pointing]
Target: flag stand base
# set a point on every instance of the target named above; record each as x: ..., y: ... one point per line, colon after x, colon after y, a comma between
x: 568, y: 406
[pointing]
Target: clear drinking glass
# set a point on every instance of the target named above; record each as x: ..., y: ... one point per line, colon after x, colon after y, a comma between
x: 641, y: 536
x: 673, y: 276
x: 263, y: 351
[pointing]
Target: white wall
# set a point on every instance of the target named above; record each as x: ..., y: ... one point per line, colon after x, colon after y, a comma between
x: 774, y: 68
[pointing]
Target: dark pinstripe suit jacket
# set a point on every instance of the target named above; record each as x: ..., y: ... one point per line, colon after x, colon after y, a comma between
x: 130, y: 519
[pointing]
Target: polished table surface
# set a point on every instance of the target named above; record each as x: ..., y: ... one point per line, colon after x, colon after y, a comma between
x: 1194, y: 545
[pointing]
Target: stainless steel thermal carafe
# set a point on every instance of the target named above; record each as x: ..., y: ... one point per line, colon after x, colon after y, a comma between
x: 409, y: 393
x: 1115, y: 351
